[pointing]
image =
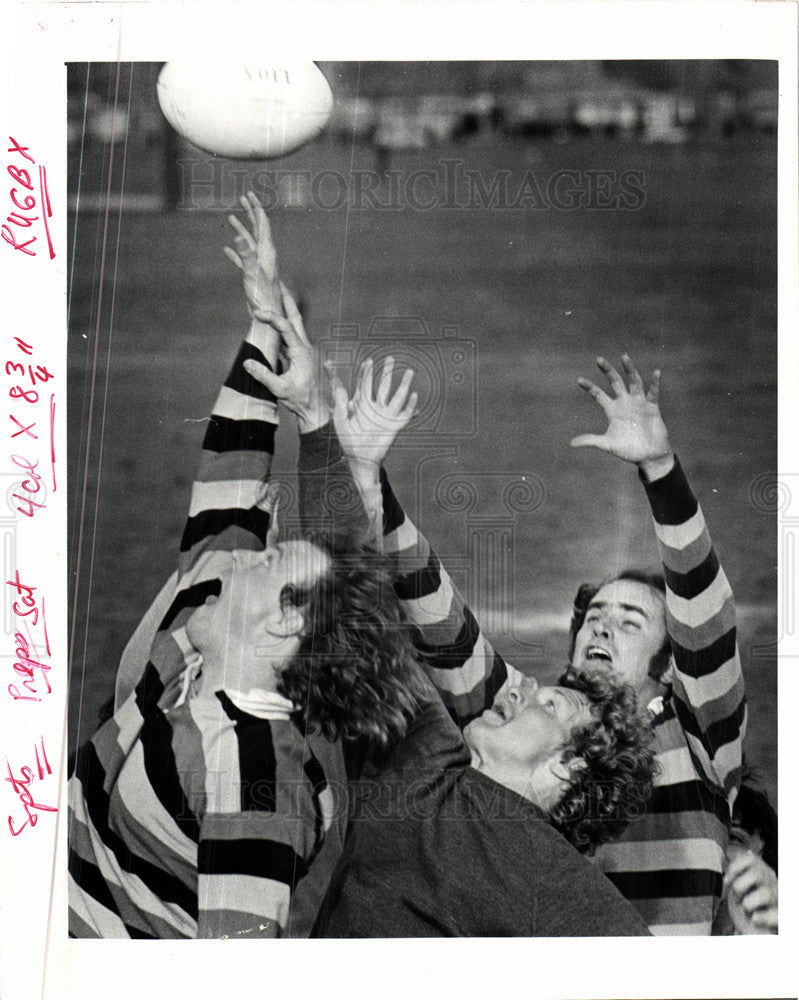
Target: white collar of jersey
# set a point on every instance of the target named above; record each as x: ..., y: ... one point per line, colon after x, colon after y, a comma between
x: 262, y: 704
x: 655, y: 707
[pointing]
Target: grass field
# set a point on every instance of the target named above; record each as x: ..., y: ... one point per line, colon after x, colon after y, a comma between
x: 686, y: 281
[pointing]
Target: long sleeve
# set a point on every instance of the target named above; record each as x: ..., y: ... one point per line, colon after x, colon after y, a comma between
x: 458, y: 658
x: 708, y: 687
x: 224, y: 512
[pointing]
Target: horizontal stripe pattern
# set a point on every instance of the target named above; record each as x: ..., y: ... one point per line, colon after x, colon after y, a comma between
x: 232, y: 404
x: 668, y: 861
x: 225, y: 494
x: 194, y: 817
x: 678, y: 852
x: 461, y: 662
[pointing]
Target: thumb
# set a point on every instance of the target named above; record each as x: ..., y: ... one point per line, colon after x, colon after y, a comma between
x: 591, y: 441
x: 262, y: 374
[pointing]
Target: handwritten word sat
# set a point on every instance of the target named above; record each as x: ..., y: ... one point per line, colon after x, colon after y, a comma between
x: 31, y: 658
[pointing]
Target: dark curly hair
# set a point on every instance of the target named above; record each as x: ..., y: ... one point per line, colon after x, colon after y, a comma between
x: 615, y: 780
x: 659, y: 663
x: 355, y: 673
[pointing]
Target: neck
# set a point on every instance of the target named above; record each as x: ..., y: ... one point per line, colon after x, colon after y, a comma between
x: 245, y: 670
x: 523, y: 784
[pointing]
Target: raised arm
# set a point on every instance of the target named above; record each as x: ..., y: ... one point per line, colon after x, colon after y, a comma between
x: 708, y: 689
x: 459, y: 660
x: 329, y: 499
x: 229, y: 503
x: 229, y: 507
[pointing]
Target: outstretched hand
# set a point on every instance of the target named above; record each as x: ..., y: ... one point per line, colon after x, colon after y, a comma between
x: 368, y: 423
x: 636, y: 431
x: 298, y: 387
x: 255, y: 256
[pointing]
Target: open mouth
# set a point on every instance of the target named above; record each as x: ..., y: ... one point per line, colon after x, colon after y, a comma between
x: 596, y: 654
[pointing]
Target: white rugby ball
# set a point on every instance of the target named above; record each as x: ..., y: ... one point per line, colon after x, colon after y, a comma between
x: 245, y: 112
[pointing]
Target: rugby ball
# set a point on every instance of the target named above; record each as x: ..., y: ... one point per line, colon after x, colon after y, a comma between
x: 245, y: 111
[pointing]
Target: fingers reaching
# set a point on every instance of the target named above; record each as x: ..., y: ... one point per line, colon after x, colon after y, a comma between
x: 284, y: 327
x: 242, y: 232
x: 653, y: 394
x: 594, y: 392
x: 616, y: 381
x: 266, y: 377
x: 633, y: 386
x: 634, y: 380
x: 400, y: 396
x: 231, y: 254
x: 246, y: 204
x: 363, y: 390
x: 384, y: 385
x: 292, y: 311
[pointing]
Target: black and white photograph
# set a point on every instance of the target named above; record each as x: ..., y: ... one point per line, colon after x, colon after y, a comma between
x: 428, y: 554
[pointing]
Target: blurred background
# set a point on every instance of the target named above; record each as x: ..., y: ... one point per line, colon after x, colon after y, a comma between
x: 493, y: 225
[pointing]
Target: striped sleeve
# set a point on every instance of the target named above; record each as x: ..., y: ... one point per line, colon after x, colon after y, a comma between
x: 708, y: 688
x: 459, y: 659
x: 238, y: 446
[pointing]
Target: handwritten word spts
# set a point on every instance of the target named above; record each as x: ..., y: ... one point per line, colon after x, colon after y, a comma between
x: 16, y: 230
x: 21, y: 786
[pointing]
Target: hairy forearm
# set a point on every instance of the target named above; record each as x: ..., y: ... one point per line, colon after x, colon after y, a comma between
x: 366, y: 476
x: 330, y: 500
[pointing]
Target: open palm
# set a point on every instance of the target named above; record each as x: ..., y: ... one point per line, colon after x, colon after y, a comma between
x: 636, y: 431
x: 368, y: 423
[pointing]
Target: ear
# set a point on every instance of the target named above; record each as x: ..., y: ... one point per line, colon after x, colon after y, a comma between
x: 287, y: 622
x: 551, y: 779
x: 562, y: 770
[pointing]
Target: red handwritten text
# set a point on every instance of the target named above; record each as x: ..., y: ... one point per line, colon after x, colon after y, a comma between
x: 29, y: 496
x: 19, y: 222
x: 21, y: 786
x: 30, y: 661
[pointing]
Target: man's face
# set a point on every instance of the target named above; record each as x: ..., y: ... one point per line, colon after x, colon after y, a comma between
x: 525, y: 730
x: 624, y: 627
x: 248, y: 622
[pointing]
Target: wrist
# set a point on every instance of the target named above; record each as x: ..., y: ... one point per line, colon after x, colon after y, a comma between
x: 267, y: 298
x: 312, y: 416
x: 365, y: 471
x: 653, y: 469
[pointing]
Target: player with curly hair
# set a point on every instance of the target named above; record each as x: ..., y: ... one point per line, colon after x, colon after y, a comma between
x: 671, y: 636
x: 470, y: 832
x: 474, y: 833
